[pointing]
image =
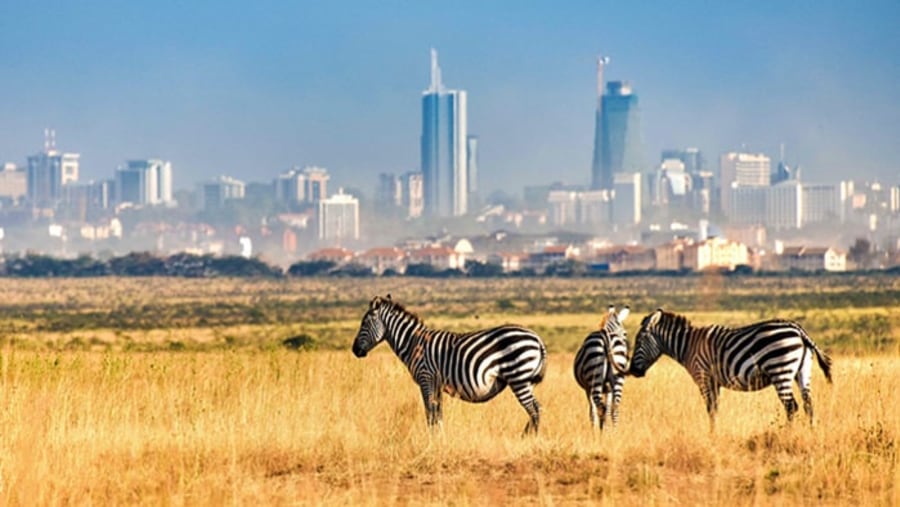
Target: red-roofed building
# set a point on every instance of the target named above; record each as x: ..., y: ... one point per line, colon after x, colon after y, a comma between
x: 626, y: 258
x: 381, y: 259
x: 509, y: 261
x: 440, y: 257
x: 336, y: 255
x: 553, y: 254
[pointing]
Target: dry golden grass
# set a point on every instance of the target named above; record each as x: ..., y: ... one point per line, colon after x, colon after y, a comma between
x: 324, y: 428
x: 99, y: 412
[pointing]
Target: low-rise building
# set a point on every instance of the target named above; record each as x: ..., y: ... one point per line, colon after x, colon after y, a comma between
x: 617, y: 259
x: 803, y: 258
x: 716, y: 253
x: 381, y: 259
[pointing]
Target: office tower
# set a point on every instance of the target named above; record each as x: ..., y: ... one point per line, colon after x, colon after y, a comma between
x: 692, y: 158
x: 389, y: 194
x: 742, y: 170
x: 213, y: 194
x: 296, y: 186
x: 562, y: 207
x: 13, y: 183
x: 413, y: 194
x: 443, y: 147
x: 784, y: 205
x: 316, y: 183
x: 821, y: 203
x: 673, y: 184
x: 339, y: 217
x: 472, y: 166
x: 617, y: 133
x: 145, y: 183
x: 626, y: 203
x: 48, y: 171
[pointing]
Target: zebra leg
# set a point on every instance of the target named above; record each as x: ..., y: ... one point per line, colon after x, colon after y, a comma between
x: 710, y: 391
x: 786, y: 395
x: 431, y: 396
x: 595, y: 421
x: 616, y: 398
x: 600, y: 401
x: 525, y: 394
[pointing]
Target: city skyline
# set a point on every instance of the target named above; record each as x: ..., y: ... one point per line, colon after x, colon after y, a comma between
x: 242, y: 90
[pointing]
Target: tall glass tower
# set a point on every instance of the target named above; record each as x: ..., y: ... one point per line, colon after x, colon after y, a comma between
x: 617, y: 141
x: 444, y: 157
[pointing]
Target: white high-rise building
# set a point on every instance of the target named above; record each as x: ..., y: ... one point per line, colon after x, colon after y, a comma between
x: 339, y: 217
x: 742, y: 170
x: 626, y: 202
x: 145, y: 183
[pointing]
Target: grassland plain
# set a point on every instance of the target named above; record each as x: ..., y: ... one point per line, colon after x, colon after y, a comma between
x: 177, y: 392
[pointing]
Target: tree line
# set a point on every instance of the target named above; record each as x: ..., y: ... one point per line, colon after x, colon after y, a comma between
x: 185, y: 265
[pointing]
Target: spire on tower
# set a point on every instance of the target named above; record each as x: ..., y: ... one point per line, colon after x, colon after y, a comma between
x: 49, y: 140
x: 602, y: 61
x: 436, y: 85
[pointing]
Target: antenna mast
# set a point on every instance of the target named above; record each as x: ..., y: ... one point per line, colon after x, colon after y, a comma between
x: 602, y: 61
x: 436, y: 84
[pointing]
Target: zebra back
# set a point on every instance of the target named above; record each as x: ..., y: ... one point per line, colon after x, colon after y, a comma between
x: 604, y: 352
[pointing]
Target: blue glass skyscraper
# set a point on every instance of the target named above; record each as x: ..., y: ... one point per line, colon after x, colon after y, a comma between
x: 617, y: 141
x: 443, y: 145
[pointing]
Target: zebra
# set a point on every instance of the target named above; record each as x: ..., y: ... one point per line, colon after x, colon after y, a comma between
x: 475, y: 366
x: 601, y: 364
x: 772, y: 352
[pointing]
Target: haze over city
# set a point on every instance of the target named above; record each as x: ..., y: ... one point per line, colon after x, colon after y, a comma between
x: 227, y: 88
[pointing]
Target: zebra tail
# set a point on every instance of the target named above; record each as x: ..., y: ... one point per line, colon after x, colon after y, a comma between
x: 543, y: 368
x: 822, y: 358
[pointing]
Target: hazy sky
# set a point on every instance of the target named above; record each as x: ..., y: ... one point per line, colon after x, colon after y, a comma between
x: 249, y: 89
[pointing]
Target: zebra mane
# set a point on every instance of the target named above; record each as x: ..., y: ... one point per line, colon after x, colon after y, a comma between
x: 671, y: 319
x: 603, y: 321
x: 393, y: 306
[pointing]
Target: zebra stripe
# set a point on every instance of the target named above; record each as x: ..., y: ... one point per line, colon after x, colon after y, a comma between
x: 600, y: 366
x: 474, y: 366
x: 773, y: 352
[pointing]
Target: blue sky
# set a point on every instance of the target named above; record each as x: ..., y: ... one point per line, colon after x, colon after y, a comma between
x: 250, y: 89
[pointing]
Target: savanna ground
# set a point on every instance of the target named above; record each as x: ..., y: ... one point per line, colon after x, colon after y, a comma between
x: 179, y: 392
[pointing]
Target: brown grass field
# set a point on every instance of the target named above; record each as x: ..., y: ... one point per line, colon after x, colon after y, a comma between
x: 118, y: 416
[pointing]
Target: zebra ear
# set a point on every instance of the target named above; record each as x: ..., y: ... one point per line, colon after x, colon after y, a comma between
x: 375, y: 303
x: 388, y: 296
x: 623, y: 313
x: 654, y: 317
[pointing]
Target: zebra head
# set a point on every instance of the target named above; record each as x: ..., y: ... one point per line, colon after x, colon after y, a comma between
x: 372, y: 328
x: 646, y: 345
x: 613, y: 323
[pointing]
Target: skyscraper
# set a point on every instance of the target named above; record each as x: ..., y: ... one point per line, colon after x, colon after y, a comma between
x: 617, y: 135
x: 145, y: 182
x: 48, y: 171
x: 339, y: 217
x: 472, y: 167
x: 443, y: 147
x: 741, y: 170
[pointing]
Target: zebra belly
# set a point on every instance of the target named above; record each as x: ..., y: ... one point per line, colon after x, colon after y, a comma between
x: 474, y: 391
x: 752, y: 380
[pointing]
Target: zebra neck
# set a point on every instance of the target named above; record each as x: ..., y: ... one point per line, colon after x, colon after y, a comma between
x: 403, y: 336
x: 680, y: 341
